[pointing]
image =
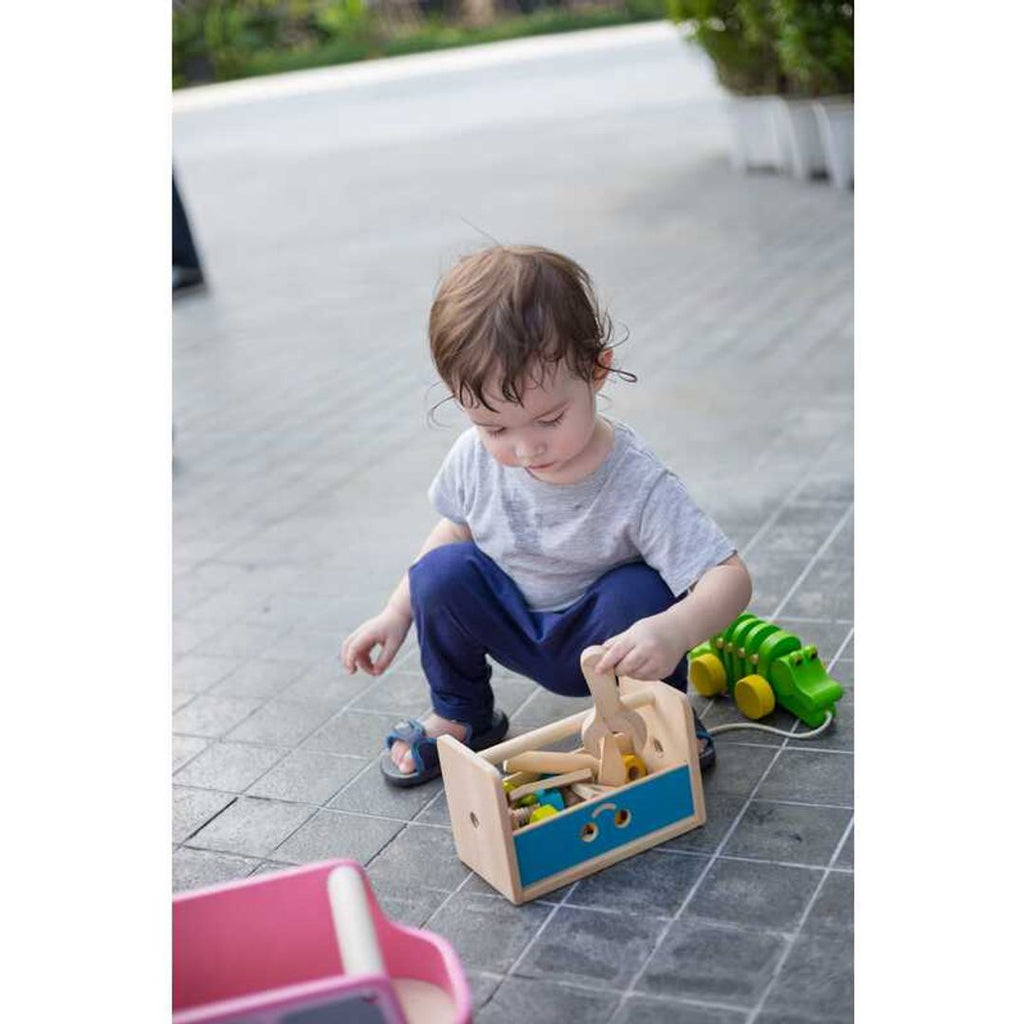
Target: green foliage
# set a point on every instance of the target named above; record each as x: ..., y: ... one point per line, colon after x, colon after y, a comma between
x: 739, y: 37
x: 643, y: 10
x: 815, y: 43
x: 218, y: 40
x: 795, y: 47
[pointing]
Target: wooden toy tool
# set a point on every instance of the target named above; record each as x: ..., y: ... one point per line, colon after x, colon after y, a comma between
x: 552, y: 761
x: 610, y: 715
x: 583, y: 775
x: 611, y: 769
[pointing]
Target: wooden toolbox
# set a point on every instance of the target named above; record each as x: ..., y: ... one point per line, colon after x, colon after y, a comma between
x: 648, y: 719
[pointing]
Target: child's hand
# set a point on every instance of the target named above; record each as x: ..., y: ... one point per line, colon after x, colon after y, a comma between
x: 650, y: 649
x: 388, y: 630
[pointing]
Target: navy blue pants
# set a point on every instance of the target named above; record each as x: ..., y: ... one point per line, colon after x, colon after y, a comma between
x: 466, y: 608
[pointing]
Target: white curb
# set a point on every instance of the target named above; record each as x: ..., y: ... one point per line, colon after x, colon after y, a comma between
x: 391, y: 69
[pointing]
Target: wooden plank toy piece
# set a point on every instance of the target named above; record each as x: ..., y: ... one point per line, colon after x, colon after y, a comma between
x: 589, y: 790
x: 519, y: 779
x: 583, y: 775
x: 612, y: 771
x: 552, y: 761
x: 610, y: 715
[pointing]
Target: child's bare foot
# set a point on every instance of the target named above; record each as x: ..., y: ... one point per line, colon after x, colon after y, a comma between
x: 433, y: 725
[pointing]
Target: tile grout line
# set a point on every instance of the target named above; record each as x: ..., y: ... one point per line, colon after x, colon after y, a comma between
x: 223, y: 737
x: 712, y: 860
x: 570, y: 889
x: 345, y: 785
x: 756, y: 860
x: 790, y: 499
x: 842, y: 647
x: 814, y: 559
x: 276, y: 695
x: 791, y: 942
x: 316, y: 809
x: 746, y: 804
x: 371, y: 761
x: 821, y: 881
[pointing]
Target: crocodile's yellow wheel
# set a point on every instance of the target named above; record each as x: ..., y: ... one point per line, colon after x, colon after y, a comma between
x: 707, y: 675
x: 754, y: 697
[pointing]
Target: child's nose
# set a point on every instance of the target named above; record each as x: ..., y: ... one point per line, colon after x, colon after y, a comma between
x: 529, y: 452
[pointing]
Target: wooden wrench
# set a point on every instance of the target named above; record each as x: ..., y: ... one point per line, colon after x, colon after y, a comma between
x: 610, y: 715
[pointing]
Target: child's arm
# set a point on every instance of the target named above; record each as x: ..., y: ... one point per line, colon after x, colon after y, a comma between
x: 651, y: 648
x: 389, y: 627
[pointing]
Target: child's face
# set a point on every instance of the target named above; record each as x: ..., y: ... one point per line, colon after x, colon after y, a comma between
x: 552, y: 434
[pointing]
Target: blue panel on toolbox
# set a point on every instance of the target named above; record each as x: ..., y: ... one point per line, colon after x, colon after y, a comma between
x: 656, y: 802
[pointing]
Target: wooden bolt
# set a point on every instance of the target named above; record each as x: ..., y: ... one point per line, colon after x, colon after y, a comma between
x: 519, y: 816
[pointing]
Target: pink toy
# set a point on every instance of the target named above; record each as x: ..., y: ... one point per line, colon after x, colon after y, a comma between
x: 308, y: 946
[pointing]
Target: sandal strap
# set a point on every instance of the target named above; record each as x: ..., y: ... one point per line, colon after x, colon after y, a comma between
x: 411, y: 732
x: 408, y: 731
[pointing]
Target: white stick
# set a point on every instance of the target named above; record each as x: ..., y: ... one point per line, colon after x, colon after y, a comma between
x: 353, y: 922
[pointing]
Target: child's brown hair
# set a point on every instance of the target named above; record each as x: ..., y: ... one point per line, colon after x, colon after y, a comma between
x: 508, y: 314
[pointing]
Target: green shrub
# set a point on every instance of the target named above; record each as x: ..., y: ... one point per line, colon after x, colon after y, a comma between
x: 796, y: 47
x: 815, y: 44
x: 217, y: 40
x: 739, y: 37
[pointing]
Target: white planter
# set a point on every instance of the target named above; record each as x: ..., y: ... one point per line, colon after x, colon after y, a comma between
x: 805, y: 155
x: 835, y: 123
x: 758, y: 140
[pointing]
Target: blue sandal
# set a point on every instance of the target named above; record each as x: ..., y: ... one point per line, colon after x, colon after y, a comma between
x: 423, y: 748
x: 707, y: 755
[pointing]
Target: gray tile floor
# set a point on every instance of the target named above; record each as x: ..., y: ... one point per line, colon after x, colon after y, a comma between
x: 303, y: 455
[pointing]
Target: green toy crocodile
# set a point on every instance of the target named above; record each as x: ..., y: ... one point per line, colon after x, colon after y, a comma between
x: 761, y: 665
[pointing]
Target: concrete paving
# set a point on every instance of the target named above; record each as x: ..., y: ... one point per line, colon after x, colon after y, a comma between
x: 325, y: 213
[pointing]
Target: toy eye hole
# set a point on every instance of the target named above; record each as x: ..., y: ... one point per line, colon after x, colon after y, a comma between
x: 812, y: 653
x: 798, y: 660
x: 622, y: 818
x: 589, y: 832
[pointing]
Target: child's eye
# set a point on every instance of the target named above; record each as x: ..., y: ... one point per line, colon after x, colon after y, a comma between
x: 553, y: 423
x: 495, y: 431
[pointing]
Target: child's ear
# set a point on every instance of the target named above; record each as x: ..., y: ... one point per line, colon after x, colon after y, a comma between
x: 604, y: 365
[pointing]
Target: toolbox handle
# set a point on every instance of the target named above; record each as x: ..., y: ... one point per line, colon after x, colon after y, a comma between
x: 555, y: 731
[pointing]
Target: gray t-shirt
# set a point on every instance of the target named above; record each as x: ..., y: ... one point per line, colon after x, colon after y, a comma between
x: 554, y: 540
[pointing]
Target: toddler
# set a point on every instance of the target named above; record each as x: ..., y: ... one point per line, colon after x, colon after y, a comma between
x: 559, y: 528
